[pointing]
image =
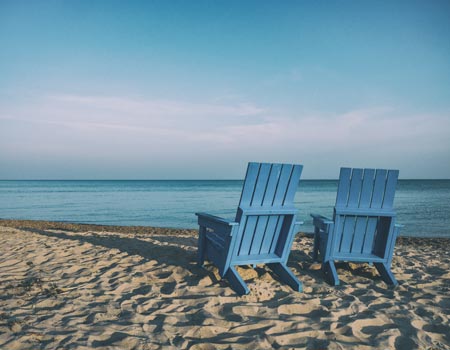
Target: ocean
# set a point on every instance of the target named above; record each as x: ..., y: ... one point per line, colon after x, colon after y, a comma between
x: 423, y: 206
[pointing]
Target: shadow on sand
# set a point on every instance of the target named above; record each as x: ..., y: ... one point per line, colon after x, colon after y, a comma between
x: 171, y: 250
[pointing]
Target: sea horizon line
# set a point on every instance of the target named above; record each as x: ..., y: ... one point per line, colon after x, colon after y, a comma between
x: 309, y: 179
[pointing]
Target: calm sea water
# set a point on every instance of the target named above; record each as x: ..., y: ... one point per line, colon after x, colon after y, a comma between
x: 422, y: 205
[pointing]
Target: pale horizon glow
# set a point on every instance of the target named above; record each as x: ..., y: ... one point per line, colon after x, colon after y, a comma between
x: 178, y: 90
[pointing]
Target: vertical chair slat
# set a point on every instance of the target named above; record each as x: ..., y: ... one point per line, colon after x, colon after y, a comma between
x: 293, y: 184
x: 269, y: 234
x: 338, y: 231
x: 258, y: 235
x: 261, y: 185
x: 355, y: 188
x: 283, y: 183
x: 347, y: 234
x: 272, y: 184
x: 273, y: 244
x: 391, y: 183
x: 364, y: 202
x: 343, y: 188
x: 378, y: 188
x: 352, y: 202
x: 360, y: 234
x: 370, y: 235
x: 367, y: 188
x: 247, y: 235
x: 249, y: 184
x: 377, y: 201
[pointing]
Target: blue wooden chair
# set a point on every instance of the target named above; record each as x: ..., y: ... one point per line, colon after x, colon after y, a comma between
x: 363, y: 228
x: 263, y: 230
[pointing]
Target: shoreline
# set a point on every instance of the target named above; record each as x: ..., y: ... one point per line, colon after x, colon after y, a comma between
x: 81, y: 227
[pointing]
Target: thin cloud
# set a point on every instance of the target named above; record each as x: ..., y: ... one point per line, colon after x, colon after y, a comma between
x: 115, y: 128
x: 159, y: 107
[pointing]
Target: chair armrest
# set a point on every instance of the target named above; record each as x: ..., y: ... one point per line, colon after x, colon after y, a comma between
x: 299, y: 223
x: 399, y: 226
x: 321, y: 222
x: 215, y: 219
x: 322, y: 219
x: 217, y: 224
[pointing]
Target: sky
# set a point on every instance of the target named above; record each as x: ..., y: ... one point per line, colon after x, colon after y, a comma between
x: 196, y: 89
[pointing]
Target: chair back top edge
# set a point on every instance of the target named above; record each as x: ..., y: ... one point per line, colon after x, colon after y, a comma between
x: 269, y: 186
x: 366, y: 189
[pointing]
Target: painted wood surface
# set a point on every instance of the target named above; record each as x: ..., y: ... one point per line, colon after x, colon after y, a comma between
x: 263, y: 230
x: 363, y: 227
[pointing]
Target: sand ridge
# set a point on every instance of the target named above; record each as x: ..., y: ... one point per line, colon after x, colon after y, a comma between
x: 74, y: 289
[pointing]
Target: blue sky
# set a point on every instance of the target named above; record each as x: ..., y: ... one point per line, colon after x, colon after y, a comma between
x: 196, y: 89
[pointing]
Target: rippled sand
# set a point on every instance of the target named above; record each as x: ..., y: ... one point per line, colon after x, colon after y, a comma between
x: 78, y: 287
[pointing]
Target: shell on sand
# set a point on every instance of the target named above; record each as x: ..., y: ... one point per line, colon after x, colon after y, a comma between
x: 143, y: 290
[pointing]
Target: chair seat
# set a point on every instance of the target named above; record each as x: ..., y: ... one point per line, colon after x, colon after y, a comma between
x: 355, y: 257
x: 257, y: 259
x: 350, y: 256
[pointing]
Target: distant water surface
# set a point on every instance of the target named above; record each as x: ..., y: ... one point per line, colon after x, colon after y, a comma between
x: 422, y: 205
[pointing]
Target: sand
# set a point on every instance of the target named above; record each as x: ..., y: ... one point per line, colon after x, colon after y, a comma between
x: 83, y: 287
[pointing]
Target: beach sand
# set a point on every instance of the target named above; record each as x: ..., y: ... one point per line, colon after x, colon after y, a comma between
x: 69, y: 286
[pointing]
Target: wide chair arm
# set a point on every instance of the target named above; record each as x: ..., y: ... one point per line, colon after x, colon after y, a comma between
x: 216, y: 223
x: 321, y: 221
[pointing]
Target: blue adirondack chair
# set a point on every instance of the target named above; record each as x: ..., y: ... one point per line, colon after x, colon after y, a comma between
x: 263, y: 230
x: 363, y: 228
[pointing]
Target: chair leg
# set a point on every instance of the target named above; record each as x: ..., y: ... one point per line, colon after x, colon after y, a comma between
x: 286, y: 276
x: 201, y: 253
x: 236, y: 282
x: 316, y: 244
x: 330, y: 272
x: 386, y: 274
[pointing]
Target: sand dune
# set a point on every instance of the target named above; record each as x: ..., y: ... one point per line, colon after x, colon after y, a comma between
x: 81, y: 289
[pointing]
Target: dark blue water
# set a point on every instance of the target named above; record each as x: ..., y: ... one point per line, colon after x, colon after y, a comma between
x: 422, y: 205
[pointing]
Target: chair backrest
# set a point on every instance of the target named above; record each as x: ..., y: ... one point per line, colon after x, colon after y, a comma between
x: 266, y: 209
x: 364, y: 214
